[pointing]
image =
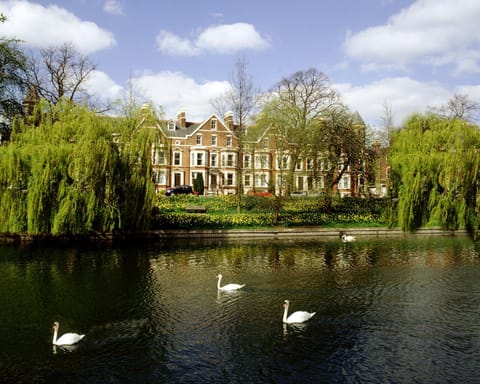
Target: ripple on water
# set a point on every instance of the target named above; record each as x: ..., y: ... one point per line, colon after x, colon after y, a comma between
x: 396, y: 311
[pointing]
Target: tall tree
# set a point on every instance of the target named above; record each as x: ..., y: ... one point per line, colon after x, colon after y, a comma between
x: 61, y: 73
x: 76, y: 172
x: 459, y: 107
x: 295, y: 110
x: 340, y: 144
x: 241, y: 99
x: 436, y: 165
x: 13, y: 81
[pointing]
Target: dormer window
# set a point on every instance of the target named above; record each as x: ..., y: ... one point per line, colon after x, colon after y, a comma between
x: 213, y: 124
x: 171, y: 125
x: 229, y: 141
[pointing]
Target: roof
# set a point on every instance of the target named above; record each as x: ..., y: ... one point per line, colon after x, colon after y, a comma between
x: 178, y: 132
x: 357, y: 119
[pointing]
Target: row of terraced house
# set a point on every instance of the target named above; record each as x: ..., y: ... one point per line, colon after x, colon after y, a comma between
x: 211, y: 148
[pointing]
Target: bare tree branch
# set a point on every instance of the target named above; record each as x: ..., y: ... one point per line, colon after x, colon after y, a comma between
x: 61, y: 72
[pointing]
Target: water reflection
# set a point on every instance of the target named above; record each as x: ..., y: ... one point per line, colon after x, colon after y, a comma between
x: 388, y: 310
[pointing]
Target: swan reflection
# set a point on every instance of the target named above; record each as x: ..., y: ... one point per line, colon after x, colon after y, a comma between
x: 64, y: 348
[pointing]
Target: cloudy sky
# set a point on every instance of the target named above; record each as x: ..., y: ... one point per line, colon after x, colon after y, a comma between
x: 404, y: 54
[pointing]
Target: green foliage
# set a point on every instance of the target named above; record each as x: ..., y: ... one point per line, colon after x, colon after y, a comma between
x: 436, y: 163
x: 13, y: 77
x: 259, y: 212
x: 75, y: 173
x: 198, y: 184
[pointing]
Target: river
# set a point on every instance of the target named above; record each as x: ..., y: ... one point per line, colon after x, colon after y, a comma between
x: 389, y: 310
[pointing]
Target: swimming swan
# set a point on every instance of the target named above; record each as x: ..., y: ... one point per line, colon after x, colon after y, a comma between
x: 228, y: 287
x: 348, y: 238
x: 295, y: 317
x: 67, y: 338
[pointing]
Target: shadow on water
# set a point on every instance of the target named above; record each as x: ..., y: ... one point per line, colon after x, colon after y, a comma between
x: 387, y: 310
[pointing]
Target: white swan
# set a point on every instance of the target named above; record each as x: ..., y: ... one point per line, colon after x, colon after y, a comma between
x: 67, y: 338
x: 295, y: 317
x: 348, y: 238
x: 228, y: 287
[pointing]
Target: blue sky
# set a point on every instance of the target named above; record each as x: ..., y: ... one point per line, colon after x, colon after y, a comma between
x: 404, y: 54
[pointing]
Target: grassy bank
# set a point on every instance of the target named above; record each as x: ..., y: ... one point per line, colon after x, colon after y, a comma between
x: 221, y: 212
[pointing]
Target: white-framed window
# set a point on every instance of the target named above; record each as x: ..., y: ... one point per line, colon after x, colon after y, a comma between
x: 199, y: 139
x: 261, y: 180
x: 171, y: 125
x: 158, y: 156
x: 246, y: 161
x: 197, y: 159
x: 159, y: 177
x: 213, y: 160
x: 177, y: 158
x: 266, y: 143
x: 214, y: 140
x: 230, y: 160
x: 246, y: 180
x: 344, y: 182
x: 264, y: 180
x: 298, y: 165
x: 309, y: 164
x: 213, y: 124
x: 229, y: 179
x: 261, y: 161
x: 229, y: 141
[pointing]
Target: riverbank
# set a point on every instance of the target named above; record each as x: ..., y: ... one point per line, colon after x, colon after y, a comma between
x: 228, y: 234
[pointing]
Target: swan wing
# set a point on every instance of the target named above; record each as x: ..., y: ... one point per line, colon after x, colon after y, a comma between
x: 69, y: 339
x: 299, y: 317
x: 231, y: 287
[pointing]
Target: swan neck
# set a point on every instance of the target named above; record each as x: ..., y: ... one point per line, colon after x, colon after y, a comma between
x: 285, y: 313
x: 218, y: 283
x: 55, y: 334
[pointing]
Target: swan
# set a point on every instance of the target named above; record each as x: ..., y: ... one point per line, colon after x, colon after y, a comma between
x: 228, y: 287
x: 295, y: 317
x: 348, y: 238
x: 67, y: 338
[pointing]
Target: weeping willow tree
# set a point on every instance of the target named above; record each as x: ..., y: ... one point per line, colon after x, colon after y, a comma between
x: 436, y: 164
x: 76, y: 172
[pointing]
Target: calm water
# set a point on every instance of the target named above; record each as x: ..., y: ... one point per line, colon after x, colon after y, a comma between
x: 388, y: 310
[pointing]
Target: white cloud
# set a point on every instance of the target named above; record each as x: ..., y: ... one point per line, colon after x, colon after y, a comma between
x: 432, y: 32
x: 174, y: 91
x: 173, y: 45
x: 113, y: 7
x: 41, y: 27
x: 222, y: 39
x: 101, y: 85
x: 403, y: 95
x: 472, y: 91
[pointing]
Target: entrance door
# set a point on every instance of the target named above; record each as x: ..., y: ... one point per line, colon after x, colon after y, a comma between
x: 300, y: 183
x: 177, y: 178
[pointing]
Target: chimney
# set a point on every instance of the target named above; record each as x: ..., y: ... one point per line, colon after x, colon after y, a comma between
x: 182, y: 119
x: 30, y: 101
x: 228, y: 119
